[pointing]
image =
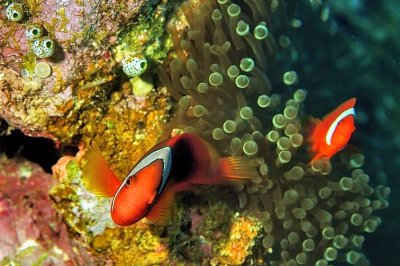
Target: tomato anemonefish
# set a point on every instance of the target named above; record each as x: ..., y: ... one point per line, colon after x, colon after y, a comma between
x: 334, y: 131
x: 173, y: 165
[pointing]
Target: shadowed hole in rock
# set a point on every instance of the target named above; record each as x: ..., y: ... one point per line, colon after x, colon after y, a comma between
x: 38, y: 150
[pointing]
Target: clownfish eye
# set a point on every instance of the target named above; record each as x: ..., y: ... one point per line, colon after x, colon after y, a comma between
x: 128, y: 182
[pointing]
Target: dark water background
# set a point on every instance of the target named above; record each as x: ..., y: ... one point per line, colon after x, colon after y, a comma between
x: 357, y: 53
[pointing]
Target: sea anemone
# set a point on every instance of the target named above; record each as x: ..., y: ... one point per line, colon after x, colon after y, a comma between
x: 311, y: 213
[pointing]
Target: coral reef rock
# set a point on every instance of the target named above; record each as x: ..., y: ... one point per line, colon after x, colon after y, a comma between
x: 52, y: 96
x: 31, y: 230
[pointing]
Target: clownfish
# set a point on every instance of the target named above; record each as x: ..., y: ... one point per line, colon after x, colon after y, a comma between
x: 332, y: 134
x: 171, y: 166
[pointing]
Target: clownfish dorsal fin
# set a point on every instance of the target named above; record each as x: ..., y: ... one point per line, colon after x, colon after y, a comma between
x: 160, y: 212
x: 350, y: 103
x: 97, y: 175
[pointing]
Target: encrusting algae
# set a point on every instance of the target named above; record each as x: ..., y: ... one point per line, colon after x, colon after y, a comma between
x: 78, y: 45
x: 240, y: 242
x: 132, y: 246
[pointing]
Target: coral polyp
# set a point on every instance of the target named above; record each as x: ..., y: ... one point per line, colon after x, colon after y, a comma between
x: 15, y: 12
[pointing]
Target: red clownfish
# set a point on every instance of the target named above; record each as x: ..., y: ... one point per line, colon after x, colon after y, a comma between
x: 334, y: 131
x: 173, y: 165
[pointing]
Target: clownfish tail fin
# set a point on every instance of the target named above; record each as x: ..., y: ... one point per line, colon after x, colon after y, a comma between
x: 97, y: 175
x: 237, y: 168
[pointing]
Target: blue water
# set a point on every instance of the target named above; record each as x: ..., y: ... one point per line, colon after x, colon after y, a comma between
x: 356, y: 52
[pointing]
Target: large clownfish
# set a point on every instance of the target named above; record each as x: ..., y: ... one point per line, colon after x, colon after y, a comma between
x: 334, y: 131
x: 174, y: 165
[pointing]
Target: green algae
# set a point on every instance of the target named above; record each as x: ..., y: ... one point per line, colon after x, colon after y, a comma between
x: 82, y: 211
x: 142, y: 86
x: 110, y: 124
x: 73, y: 171
x: 32, y: 5
x: 147, y: 34
x: 207, y: 230
x: 36, y: 254
x: 29, y: 62
x: 25, y: 171
x: 134, y: 245
x: 62, y: 20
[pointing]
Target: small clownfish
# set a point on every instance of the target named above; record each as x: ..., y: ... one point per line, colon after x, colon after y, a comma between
x: 173, y: 165
x: 334, y: 131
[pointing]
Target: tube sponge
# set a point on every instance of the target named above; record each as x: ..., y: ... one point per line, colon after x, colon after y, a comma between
x: 33, y: 31
x: 134, y: 66
x: 43, y: 47
x: 15, y: 12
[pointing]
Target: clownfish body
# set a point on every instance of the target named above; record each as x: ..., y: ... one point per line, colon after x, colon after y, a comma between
x: 334, y: 131
x: 174, y: 165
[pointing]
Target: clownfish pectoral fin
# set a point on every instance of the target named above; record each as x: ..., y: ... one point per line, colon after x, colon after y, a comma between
x: 237, y: 168
x: 151, y: 199
x: 317, y: 157
x: 97, y: 175
x: 351, y: 151
x: 160, y: 212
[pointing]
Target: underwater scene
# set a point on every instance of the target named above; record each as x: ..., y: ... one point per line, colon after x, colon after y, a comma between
x: 199, y: 132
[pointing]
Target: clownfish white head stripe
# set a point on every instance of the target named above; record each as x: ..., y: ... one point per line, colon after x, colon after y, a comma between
x: 332, y: 128
x: 163, y: 154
